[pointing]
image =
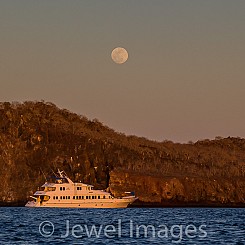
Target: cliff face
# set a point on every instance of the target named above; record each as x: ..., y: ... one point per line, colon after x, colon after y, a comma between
x: 37, y: 138
x: 180, y: 191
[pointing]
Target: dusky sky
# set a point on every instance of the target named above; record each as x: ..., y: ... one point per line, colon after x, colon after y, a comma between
x: 184, y: 79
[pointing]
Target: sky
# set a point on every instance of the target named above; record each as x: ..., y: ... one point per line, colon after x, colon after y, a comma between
x: 184, y: 79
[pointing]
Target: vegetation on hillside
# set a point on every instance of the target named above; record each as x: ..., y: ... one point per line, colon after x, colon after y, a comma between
x: 37, y: 138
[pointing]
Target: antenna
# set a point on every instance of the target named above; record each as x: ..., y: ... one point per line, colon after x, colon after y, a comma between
x: 43, y: 174
x: 53, y: 172
x: 60, y: 173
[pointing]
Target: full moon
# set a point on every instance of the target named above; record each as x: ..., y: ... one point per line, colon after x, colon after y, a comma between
x: 119, y: 55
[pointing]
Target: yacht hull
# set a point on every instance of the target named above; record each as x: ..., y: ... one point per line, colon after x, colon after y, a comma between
x: 114, y: 203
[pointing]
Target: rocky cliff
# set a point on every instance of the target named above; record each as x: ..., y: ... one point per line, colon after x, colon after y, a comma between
x: 37, y: 138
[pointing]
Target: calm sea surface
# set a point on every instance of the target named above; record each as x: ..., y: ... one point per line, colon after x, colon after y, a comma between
x: 122, y: 226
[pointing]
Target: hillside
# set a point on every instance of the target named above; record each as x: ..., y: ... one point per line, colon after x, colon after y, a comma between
x: 37, y: 138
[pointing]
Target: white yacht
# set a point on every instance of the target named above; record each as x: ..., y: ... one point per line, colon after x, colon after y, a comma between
x: 59, y: 191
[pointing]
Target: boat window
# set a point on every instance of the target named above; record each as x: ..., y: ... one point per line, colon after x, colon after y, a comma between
x: 51, y: 188
x: 53, y: 197
x: 44, y: 198
x: 92, y: 197
x: 64, y: 188
x: 104, y: 197
x: 57, y: 197
x: 86, y: 197
x: 64, y: 197
x: 82, y: 197
x: 95, y: 197
x: 68, y: 197
x: 60, y: 197
x: 60, y: 188
x: 79, y: 197
x: 98, y: 197
x: 74, y: 197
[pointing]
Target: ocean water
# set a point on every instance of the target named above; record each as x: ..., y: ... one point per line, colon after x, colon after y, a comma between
x: 122, y: 226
